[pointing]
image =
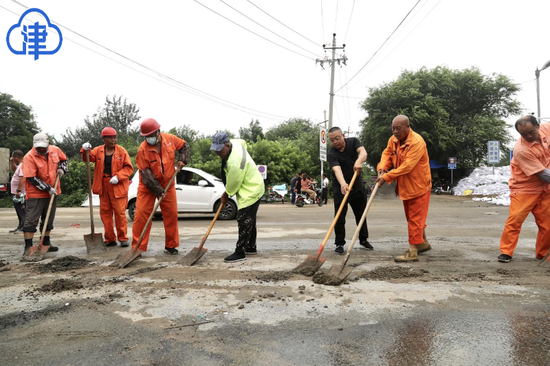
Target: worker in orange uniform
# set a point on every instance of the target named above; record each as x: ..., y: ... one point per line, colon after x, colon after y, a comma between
x: 529, y: 187
x: 41, y: 166
x: 407, y: 154
x: 112, y: 172
x: 156, y: 163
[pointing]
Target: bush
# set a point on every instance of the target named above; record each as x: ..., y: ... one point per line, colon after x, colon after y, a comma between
x: 6, y: 201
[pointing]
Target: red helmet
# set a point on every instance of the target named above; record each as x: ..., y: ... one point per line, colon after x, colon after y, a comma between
x: 108, y: 131
x: 148, y: 126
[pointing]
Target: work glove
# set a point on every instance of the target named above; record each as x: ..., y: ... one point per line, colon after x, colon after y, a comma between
x: 114, y: 180
x: 60, y: 172
x: 86, y: 146
x: 53, y: 191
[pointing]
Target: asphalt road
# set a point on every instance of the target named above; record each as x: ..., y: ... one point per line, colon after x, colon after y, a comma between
x: 456, y: 306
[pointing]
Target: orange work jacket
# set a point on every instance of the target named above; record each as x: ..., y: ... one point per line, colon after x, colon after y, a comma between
x: 44, y: 167
x: 162, y: 165
x: 411, y: 166
x: 121, y: 166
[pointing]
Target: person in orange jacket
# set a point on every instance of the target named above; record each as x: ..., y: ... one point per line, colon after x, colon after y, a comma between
x: 156, y: 163
x: 41, y: 167
x: 407, y: 154
x: 112, y: 172
x: 529, y: 188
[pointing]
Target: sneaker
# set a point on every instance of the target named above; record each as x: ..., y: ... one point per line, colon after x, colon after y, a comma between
x: 110, y: 243
x: 251, y: 251
x: 52, y: 248
x: 504, y: 258
x: 407, y: 257
x: 424, y: 247
x: 170, y: 250
x: 366, y: 245
x: 235, y: 257
x: 124, y: 243
x: 339, y: 249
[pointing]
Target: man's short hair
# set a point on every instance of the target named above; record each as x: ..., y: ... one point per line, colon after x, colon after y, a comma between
x: 527, y: 119
x: 17, y: 154
x: 335, y: 128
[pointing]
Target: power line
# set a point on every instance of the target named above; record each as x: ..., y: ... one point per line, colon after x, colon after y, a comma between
x: 269, y: 15
x: 369, y: 60
x: 322, y: 21
x: 248, y: 30
x: 349, y: 21
x: 179, y: 84
x: 336, y: 14
x: 269, y: 30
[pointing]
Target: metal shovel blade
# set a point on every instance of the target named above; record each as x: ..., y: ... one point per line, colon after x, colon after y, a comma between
x: 545, y: 261
x: 193, y: 256
x: 309, y: 266
x: 126, y: 258
x: 340, y: 272
x: 94, y: 243
x: 35, y: 253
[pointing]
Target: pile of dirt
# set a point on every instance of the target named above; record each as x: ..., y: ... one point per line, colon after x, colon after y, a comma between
x: 323, y: 278
x: 392, y: 273
x: 60, y: 286
x: 274, y: 276
x: 63, y: 264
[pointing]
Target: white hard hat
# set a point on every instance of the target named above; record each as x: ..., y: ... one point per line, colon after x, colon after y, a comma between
x: 40, y: 140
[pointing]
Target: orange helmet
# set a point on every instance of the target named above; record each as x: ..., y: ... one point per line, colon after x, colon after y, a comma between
x: 108, y: 131
x: 148, y: 126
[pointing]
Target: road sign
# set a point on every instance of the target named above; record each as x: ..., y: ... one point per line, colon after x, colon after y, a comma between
x: 323, y: 144
x: 263, y: 171
x: 493, y: 152
x: 451, y: 163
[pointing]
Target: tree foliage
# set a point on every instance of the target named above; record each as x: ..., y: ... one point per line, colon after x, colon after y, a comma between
x: 116, y: 113
x: 455, y: 111
x: 253, y: 132
x: 17, y: 124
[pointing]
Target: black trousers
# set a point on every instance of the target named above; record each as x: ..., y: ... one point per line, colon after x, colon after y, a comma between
x: 246, y: 219
x: 358, y: 201
x: 324, y: 196
x: 20, y: 211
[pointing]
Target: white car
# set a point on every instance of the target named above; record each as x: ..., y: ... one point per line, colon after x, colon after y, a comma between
x: 197, y: 192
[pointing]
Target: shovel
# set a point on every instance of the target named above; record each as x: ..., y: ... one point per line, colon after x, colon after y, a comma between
x: 36, y: 253
x: 312, y: 264
x: 94, y: 242
x: 337, y: 274
x: 133, y: 253
x: 545, y: 261
x: 197, y: 252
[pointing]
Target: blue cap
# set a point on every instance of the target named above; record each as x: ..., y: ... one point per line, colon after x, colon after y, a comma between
x: 218, y: 141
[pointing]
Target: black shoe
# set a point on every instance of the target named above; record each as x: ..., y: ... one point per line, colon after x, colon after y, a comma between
x: 504, y: 258
x: 251, y: 251
x: 366, y: 245
x: 52, y: 248
x: 110, y: 243
x: 123, y: 243
x: 27, y: 247
x: 14, y: 230
x: 339, y: 249
x: 235, y: 257
x: 170, y: 250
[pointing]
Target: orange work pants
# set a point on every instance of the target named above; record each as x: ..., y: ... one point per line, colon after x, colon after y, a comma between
x: 110, y: 206
x: 520, y: 206
x: 416, y: 212
x: 144, y: 206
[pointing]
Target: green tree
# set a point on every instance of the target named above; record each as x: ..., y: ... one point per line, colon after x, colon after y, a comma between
x: 455, y: 111
x: 17, y: 124
x: 116, y: 113
x: 253, y: 132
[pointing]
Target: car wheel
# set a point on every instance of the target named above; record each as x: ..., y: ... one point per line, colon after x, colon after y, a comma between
x: 229, y: 212
x: 300, y: 203
x: 131, y: 210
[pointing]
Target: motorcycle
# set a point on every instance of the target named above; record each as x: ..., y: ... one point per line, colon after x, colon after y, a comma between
x: 301, y: 199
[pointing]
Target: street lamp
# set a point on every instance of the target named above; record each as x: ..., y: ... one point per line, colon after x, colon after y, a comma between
x: 537, y: 74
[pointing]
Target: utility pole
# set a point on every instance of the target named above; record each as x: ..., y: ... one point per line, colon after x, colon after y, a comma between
x: 332, y: 62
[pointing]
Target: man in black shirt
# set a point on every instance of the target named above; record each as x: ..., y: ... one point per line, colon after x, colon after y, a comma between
x: 346, y: 156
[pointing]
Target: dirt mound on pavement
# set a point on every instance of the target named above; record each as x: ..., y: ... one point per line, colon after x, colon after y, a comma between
x: 63, y: 264
x: 392, y: 273
x: 60, y: 286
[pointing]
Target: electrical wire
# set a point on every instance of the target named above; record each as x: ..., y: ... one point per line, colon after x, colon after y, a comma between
x: 369, y: 60
x: 349, y: 22
x: 269, y: 30
x: 284, y: 25
x: 322, y: 21
x: 180, y: 85
x: 248, y: 30
x: 336, y: 14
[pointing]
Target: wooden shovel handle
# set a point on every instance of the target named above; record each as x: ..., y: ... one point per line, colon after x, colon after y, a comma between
x: 90, y: 191
x: 48, y: 213
x: 210, y: 227
x: 336, y: 216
